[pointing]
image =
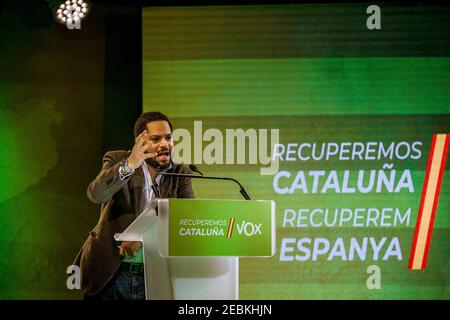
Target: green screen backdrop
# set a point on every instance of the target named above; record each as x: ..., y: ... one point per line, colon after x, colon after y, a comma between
x: 349, y: 113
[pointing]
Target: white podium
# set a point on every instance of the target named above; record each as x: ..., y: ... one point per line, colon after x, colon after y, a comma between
x: 192, y: 246
x: 179, y: 278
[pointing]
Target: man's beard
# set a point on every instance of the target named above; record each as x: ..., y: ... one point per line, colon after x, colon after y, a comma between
x: 157, y: 165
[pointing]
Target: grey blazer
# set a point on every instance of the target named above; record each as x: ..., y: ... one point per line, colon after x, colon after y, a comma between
x: 121, y: 202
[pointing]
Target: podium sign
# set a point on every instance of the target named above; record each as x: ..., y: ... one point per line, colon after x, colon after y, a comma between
x: 217, y: 228
x: 192, y: 246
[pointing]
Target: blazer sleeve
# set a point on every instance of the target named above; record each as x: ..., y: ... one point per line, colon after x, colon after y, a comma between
x: 108, y: 182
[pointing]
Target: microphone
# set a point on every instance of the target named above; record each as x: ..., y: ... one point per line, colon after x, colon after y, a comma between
x: 195, y: 169
x: 201, y: 176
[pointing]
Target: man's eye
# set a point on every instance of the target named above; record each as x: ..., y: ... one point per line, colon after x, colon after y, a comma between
x: 154, y: 139
x: 169, y: 138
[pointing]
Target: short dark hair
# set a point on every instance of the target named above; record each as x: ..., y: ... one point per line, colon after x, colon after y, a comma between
x: 146, y: 117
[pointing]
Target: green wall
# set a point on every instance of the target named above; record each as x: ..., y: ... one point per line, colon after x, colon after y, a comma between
x: 64, y: 100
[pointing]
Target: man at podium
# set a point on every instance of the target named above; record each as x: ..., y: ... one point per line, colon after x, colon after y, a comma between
x: 127, y: 182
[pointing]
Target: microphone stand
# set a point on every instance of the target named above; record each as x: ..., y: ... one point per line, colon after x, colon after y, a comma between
x: 186, y: 175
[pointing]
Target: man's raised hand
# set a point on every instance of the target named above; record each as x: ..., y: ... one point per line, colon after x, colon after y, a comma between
x: 139, y: 152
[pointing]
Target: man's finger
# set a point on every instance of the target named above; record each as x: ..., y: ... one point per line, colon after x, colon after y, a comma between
x: 135, y: 247
x: 125, y: 250
x: 141, y: 138
x: 145, y: 146
x: 129, y: 252
x: 140, y: 135
x: 150, y: 155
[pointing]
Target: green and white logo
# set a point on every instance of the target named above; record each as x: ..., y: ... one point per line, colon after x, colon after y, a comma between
x: 220, y: 228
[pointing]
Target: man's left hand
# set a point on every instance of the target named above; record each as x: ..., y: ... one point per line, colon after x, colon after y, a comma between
x: 129, y: 248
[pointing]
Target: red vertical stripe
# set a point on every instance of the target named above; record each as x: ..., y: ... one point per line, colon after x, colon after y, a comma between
x: 230, y: 228
x: 435, y: 202
x: 422, y: 200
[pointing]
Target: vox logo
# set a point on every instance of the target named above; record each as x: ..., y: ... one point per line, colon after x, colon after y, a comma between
x: 248, y: 228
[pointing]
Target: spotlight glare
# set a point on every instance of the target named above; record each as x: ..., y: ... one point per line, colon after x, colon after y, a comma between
x: 71, y: 11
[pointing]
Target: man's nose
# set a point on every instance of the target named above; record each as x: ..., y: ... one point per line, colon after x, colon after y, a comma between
x: 164, y: 143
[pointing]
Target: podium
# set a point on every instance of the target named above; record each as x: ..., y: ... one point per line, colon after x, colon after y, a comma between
x: 192, y: 246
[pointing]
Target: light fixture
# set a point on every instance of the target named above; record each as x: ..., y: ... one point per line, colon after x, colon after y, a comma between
x: 69, y: 12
